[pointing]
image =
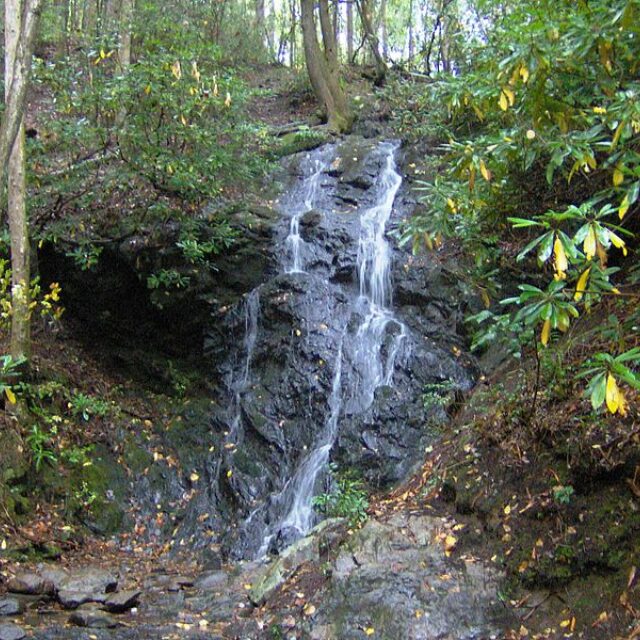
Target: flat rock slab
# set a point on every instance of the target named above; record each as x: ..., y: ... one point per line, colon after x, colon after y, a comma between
x: 212, y: 581
x: 30, y: 584
x: 122, y: 601
x: 394, y: 577
x: 166, y: 582
x: 93, y: 618
x: 89, y: 580
x: 73, y: 599
x: 10, y: 607
x: 11, y: 632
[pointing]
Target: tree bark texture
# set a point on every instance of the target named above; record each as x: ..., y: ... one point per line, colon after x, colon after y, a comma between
x: 322, y: 66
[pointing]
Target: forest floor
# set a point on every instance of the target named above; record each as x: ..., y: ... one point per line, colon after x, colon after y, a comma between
x: 546, y: 496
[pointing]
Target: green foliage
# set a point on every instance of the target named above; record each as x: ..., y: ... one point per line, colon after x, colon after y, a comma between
x: 348, y: 499
x: 541, y: 125
x: 86, y: 407
x: 562, y: 494
x: 40, y: 444
x: 9, y: 372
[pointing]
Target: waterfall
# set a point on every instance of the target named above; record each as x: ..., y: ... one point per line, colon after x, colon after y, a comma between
x: 373, y: 357
x: 300, y: 201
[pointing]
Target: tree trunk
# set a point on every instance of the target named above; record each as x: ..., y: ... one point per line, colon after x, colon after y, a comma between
x: 350, y: 34
x: 19, y: 20
x: 126, y: 32
x: 260, y: 25
x: 326, y: 84
x: 364, y: 8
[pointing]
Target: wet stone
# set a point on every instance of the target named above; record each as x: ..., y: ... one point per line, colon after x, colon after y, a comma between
x: 164, y: 582
x: 122, y: 601
x: 10, y: 607
x: 11, y: 632
x: 93, y: 618
x: 212, y: 581
x: 29, y: 584
x: 89, y: 580
x: 73, y: 599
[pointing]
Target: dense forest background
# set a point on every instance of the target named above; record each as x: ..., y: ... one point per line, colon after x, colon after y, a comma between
x: 144, y: 128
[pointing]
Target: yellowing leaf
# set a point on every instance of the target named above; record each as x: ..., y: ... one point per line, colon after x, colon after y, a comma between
x: 618, y: 242
x: 309, y: 609
x: 3, y: 545
x: 503, y: 101
x: 560, y: 259
x: 486, y: 174
x: 524, y: 74
x: 227, y: 100
x: 452, y: 205
x: 229, y: 473
x: 450, y: 543
x: 624, y: 207
x: 612, y: 394
x: 589, y: 245
x: 11, y: 397
x: 176, y: 69
x: 582, y: 284
x: 194, y: 477
x: 546, y: 330
x: 183, y: 120
x: 618, y: 177
x: 147, y: 89
x: 510, y: 96
x: 369, y: 631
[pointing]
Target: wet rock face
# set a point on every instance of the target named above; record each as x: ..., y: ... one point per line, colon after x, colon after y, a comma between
x: 394, y: 578
x: 276, y: 354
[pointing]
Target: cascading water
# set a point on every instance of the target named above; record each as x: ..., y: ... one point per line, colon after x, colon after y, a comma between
x: 295, y: 501
x: 240, y: 374
x: 299, y: 202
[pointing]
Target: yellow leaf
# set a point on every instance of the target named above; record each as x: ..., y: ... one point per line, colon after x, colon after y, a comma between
x: 183, y: 120
x: 524, y: 74
x: 560, y: 259
x: 546, y: 330
x: 589, y: 244
x: 450, y: 543
x: 618, y: 242
x: 507, y: 510
x: 11, y: 397
x: 503, y: 101
x: 194, y: 477
x: 229, y: 473
x: 612, y: 394
x: 622, y: 403
x: 478, y: 113
x: 486, y: 174
x: 227, y: 100
x: 176, y: 69
x: 147, y: 89
x: 309, y: 609
x: 472, y: 177
x: 624, y: 207
x: 452, y: 205
x: 617, y: 134
x: 511, y: 97
x: 582, y: 284
x: 3, y: 545
x: 618, y: 176
x: 369, y: 631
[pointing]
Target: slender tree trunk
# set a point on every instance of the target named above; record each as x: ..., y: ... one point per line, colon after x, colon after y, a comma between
x: 126, y: 33
x: 326, y: 84
x: 17, y: 60
x: 411, y: 43
x: 293, y: 34
x: 383, y: 29
x: 350, y: 33
x: 260, y: 25
x: 364, y: 8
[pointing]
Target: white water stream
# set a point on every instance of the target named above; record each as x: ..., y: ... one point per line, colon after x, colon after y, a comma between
x: 374, y: 354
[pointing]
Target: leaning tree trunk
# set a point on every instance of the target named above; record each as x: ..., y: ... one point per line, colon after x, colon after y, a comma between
x: 322, y: 67
x: 364, y: 8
